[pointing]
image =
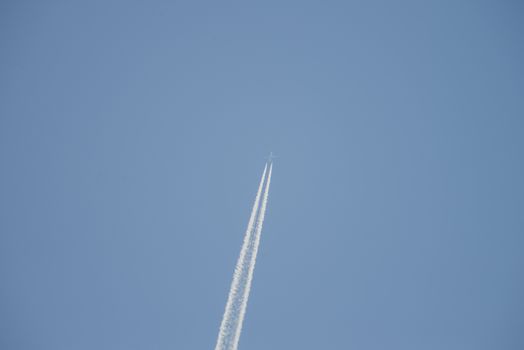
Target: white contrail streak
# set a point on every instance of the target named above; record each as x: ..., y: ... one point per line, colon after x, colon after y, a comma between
x: 229, y: 326
x: 251, y: 266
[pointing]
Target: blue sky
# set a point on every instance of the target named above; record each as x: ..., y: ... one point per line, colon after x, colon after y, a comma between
x: 133, y: 135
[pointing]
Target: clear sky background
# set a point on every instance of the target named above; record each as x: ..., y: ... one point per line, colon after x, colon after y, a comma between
x: 133, y: 136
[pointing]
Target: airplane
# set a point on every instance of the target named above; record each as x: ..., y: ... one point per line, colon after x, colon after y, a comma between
x: 271, y: 157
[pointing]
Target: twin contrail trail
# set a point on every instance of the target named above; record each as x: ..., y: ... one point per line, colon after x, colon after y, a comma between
x: 231, y: 326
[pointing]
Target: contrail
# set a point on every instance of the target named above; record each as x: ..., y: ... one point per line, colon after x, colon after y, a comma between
x: 251, y: 266
x: 231, y: 321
